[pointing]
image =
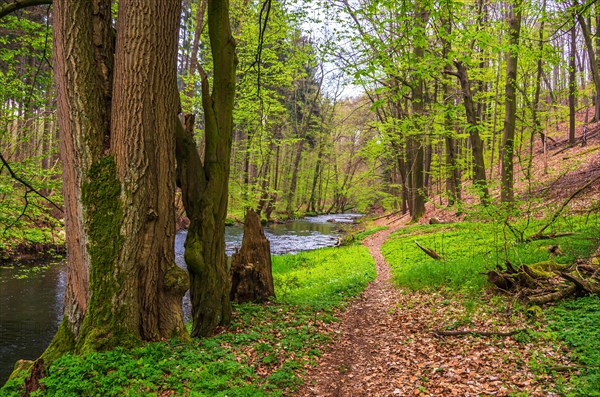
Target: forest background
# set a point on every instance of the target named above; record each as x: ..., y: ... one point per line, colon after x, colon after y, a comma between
x: 444, y: 97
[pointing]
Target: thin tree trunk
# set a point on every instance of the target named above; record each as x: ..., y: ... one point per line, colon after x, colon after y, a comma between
x: 508, y: 136
x: 312, y: 202
x: 414, y: 143
x: 206, y: 194
x: 585, y: 29
x: 572, y: 85
x: 479, y: 178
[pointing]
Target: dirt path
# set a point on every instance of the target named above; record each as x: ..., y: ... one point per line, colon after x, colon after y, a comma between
x: 357, y: 364
x: 385, y: 347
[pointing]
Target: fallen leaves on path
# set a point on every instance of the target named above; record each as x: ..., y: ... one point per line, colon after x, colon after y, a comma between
x: 385, y: 346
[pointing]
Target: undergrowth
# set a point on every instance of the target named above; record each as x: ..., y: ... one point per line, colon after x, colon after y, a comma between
x: 577, y: 322
x: 362, y: 235
x: 470, y: 249
x: 261, y: 353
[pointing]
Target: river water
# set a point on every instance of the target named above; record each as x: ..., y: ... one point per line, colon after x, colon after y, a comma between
x: 31, y: 296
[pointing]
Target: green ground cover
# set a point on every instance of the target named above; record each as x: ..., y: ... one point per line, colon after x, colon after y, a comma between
x: 577, y: 322
x: 260, y: 354
x: 470, y: 249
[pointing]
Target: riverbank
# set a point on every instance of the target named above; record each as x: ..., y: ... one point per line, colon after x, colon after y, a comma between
x: 323, y: 335
x: 31, y: 253
x: 32, y: 291
x: 261, y: 353
x: 28, y: 245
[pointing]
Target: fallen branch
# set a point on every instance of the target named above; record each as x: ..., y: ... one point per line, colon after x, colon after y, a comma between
x: 429, y: 252
x: 387, y: 215
x: 551, y: 297
x: 564, y: 204
x: 590, y: 288
x: 590, y: 150
x: 499, y: 280
x: 510, y: 269
x: 478, y: 333
x: 549, y: 236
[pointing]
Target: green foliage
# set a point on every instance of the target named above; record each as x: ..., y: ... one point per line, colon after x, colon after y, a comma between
x: 577, y: 322
x: 262, y: 353
x: 472, y: 248
x: 324, y: 277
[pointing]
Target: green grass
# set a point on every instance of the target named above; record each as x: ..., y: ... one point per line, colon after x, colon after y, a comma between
x: 362, y: 235
x: 324, y: 277
x: 577, y: 322
x: 261, y: 354
x: 472, y: 248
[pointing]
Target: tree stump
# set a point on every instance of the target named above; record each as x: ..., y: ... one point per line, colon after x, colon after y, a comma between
x: 251, y: 277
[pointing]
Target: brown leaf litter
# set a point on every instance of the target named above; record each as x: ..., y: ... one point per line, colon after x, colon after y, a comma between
x: 386, y: 346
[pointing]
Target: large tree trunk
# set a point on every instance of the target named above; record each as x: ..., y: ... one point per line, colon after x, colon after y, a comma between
x: 508, y: 136
x: 118, y: 173
x: 205, y: 185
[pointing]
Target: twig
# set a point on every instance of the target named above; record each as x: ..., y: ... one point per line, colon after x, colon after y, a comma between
x: 27, y: 185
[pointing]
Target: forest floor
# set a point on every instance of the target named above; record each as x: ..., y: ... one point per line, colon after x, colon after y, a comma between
x: 386, y: 342
x: 386, y: 346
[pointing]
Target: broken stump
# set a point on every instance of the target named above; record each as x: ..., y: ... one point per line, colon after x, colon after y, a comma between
x: 251, y: 275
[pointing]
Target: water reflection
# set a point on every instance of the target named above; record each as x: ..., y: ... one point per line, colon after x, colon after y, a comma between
x: 31, y: 300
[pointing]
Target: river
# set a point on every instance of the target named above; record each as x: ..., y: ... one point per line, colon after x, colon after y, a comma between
x: 31, y: 296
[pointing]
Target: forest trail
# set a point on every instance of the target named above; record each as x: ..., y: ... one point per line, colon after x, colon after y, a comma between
x: 358, y: 362
x: 385, y: 346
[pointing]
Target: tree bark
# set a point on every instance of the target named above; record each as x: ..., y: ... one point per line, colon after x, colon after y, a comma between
x: 294, y: 181
x: 205, y: 184
x: 572, y: 85
x: 414, y: 143
x: 508, y: 136
x: 479, y: 178
x: 251, y: 274
x: 16, y: 5
x: 118, y: 177
x: 587, y: 36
